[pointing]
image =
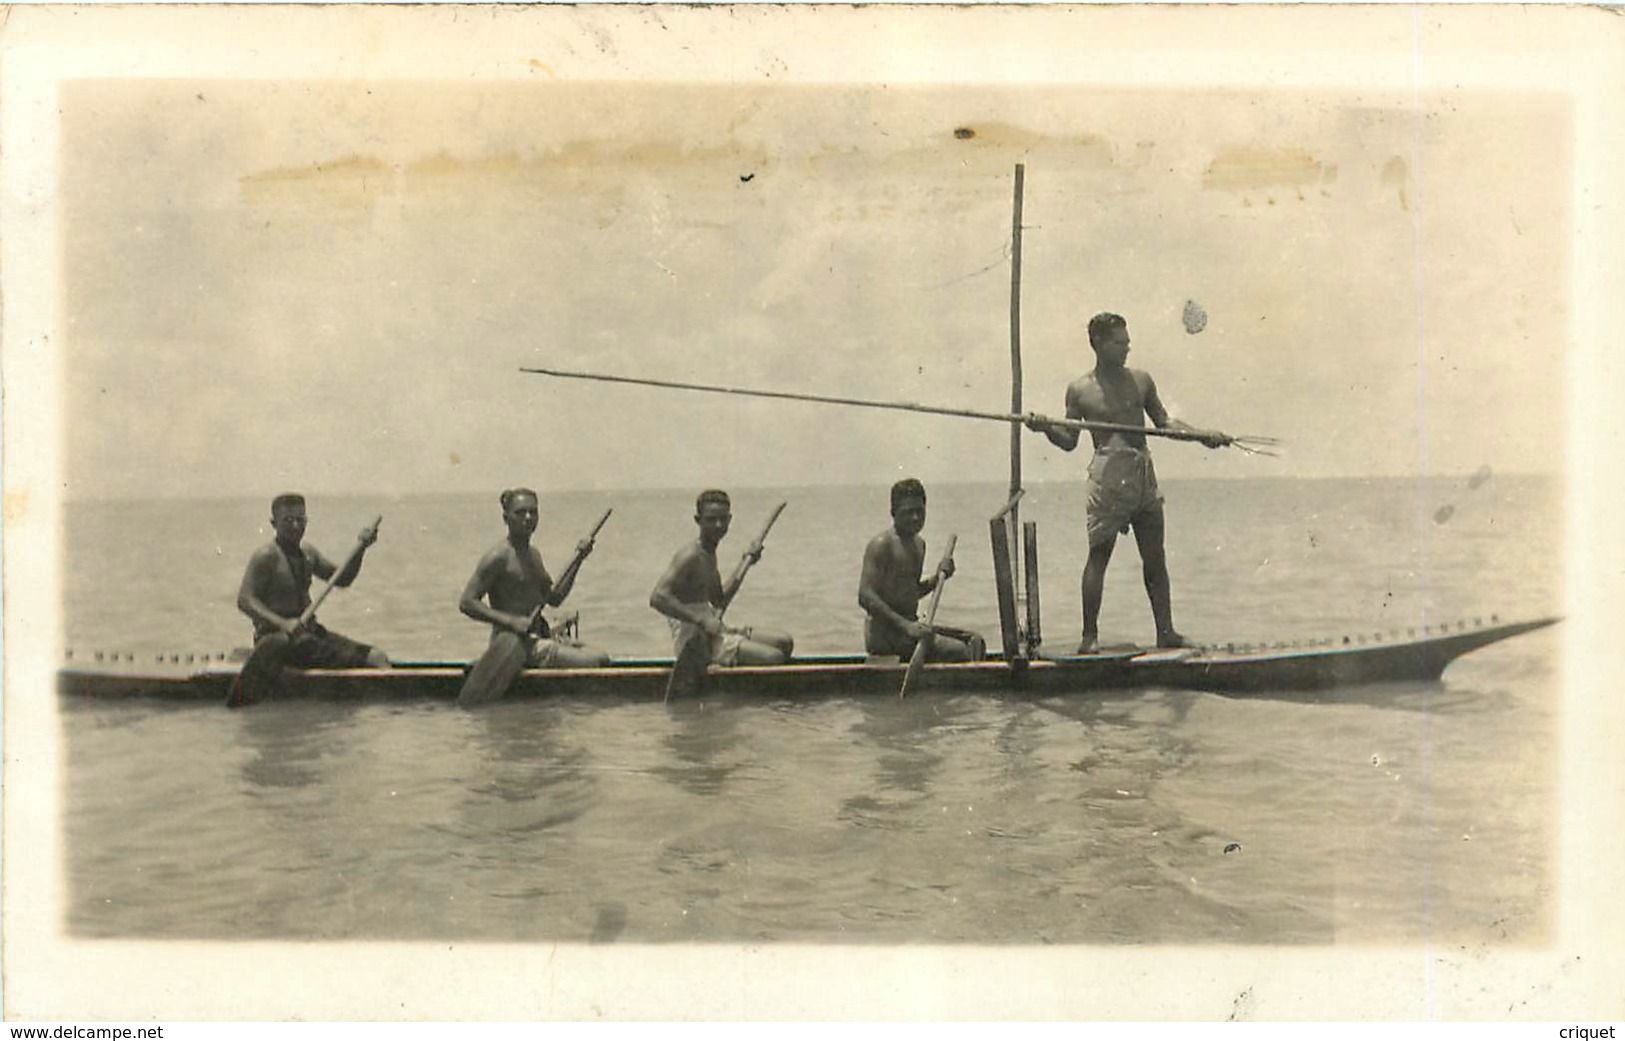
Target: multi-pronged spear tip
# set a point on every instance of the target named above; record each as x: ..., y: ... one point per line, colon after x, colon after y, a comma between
x: 1254, y: 444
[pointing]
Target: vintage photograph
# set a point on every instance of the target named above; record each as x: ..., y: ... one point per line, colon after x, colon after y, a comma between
x: 659, y: 510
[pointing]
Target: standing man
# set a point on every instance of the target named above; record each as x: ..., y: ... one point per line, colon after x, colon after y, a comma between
x: 1122, y: 483
x: 891, y: 587
x: 275, y: 592
x: 512, y: 578
x: 692, y: 597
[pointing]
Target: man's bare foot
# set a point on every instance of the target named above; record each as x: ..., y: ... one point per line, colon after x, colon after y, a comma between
x: 1090, y: 645
x: 1173, y: 639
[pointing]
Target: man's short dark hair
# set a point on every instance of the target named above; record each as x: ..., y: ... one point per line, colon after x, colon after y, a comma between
x: 712, y: 495
x: 907, y: 488
x: 1103, y: 325
x: 513, y: 493
x: 287, y: 500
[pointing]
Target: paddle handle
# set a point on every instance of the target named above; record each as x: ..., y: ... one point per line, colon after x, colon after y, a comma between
x: 772, y: 519
x: 569, y: 570
x: 596, y: 528
x: 750, y: 556
x: 360, y: 544
x: 581, y: 555
x: 917, y: 660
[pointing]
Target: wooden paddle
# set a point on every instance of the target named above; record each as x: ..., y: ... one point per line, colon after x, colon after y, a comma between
x: 917, y: 661
x: 267, y: 657
x: 688, y: 669
x: 752, y: 554
x: 360, y: 544
x: 505, y: 658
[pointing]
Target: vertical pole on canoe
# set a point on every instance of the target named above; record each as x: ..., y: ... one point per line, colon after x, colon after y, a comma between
x: 1019, y: 587
x: 1029, y: 536
x: 1015, y: 334
x: 1005, y: 528
x: 999, y: 533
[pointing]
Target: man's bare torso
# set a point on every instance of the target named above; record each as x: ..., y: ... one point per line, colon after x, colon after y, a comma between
x: 897, y: 571
x: 516, y: 581
x: 1119, y: 397
x: 282, y: 577
x: 698, y: 581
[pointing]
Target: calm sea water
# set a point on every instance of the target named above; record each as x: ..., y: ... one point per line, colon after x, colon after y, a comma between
x: 1397, y: 813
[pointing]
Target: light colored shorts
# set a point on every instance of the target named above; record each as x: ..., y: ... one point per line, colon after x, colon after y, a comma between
x: 1122, y: 486
x: 544, y: 653
x: 724, y: 648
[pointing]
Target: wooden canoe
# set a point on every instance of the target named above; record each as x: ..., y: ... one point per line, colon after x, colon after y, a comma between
x: 1307, y: 666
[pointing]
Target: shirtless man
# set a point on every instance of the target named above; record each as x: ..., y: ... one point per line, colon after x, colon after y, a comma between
x: 1122, y: 484
x: 891, y: 587
x: 510, y: 583
x: 274, y: 593
x: 691, y: 596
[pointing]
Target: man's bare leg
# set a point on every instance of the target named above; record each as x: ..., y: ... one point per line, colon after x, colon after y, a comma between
x: 567, y: 656
x: 1094, y: 589
x: 947, y: 648
x: 958, y: 645
x: 766, y: 647
x: 1148, y: 533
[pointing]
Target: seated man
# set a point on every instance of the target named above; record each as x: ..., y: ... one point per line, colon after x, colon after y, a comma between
x: 692, y: 597
x: 513, y: 579
x: 891, y: 587
x: 275, y: 592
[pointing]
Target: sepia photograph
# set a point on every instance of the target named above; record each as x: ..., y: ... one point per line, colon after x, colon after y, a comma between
x: 901, y: 508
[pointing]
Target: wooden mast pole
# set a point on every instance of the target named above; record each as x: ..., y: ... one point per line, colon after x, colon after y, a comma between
x: 1015, y: 377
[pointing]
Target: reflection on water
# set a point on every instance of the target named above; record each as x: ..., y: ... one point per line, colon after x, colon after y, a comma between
x: 1018, y: 740
x: 535, y: 776
x: 1441, y: 697
x: 703, y: 736
x: 908, y: 734
x: 291, y: 743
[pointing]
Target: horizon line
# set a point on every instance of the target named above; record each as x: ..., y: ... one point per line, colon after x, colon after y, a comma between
x: 834, y: 486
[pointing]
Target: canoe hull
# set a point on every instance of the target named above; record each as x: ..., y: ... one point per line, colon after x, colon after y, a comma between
x: 1223, y: 671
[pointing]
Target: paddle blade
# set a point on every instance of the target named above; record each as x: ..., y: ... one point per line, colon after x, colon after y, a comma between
x: 496, y: 670
x: 689, y: 671
x: 260, y: 672
x: 915, y: 664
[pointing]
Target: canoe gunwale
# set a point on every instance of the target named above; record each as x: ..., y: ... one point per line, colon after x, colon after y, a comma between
x: 1260, y: 671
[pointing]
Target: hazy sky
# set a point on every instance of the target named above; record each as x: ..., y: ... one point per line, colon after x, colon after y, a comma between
x: 332, y: 286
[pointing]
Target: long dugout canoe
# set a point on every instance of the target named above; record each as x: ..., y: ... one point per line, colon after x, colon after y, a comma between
x: 1304, y: 667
